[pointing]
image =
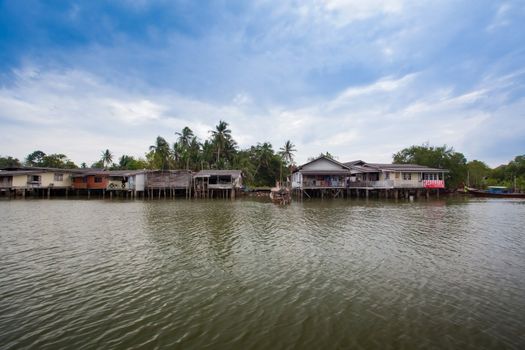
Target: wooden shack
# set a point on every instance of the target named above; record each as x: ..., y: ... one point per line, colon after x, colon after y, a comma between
x: 168, y: 183
x: 217, y: 183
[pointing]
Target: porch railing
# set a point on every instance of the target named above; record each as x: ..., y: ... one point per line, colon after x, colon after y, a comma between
x: 372, y: 184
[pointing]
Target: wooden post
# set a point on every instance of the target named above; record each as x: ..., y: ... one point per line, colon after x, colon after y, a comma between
x: 111, y: 195
x: 89, y: 194
x: 427, y: 193
x: 67, y: 192
x: 103, y: 194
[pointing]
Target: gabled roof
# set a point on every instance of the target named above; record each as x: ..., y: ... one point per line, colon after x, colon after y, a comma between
x: 344, y: 168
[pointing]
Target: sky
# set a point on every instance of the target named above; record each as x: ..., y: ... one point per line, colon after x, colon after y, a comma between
x: 358, y: 79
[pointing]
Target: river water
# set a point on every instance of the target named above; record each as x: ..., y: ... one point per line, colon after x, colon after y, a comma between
x: 78, y: 274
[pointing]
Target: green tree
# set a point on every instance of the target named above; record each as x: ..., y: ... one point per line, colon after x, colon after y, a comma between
x: 35, y: 158
x: 9, y: 162
x: 160, y: 154
x: 107, y: 158
x: 287, y: 152
x: 130, y: 163
x: 57, y: 160
x: 222, y: 139
x: 478, y: 172
x: 436, y: 157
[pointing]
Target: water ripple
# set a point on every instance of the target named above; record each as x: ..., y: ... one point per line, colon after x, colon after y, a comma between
x: 248, y: 274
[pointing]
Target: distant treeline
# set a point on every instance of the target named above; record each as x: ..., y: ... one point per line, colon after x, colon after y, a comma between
x: 474, y: 173
x: 262, y: 165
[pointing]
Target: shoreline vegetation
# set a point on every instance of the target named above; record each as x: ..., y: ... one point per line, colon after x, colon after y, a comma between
x: 262, y: 166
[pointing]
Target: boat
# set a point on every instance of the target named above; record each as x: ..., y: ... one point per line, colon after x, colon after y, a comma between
x: 280, y: 195
x: 494, y: 192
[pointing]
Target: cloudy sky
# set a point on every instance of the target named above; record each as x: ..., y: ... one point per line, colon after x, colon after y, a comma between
x: 359, y: 79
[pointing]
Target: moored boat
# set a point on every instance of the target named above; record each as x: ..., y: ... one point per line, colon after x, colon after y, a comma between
x: 494, y: 192
x: 280, y: 195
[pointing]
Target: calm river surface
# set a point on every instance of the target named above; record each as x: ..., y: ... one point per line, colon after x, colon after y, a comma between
x: 247, y: 274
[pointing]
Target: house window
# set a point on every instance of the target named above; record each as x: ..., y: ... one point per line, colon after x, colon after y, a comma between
x: 407, y: 176
x: 397, y: 175
x: 59, y: 177
x: 431, y: 176
x: 98, y: 179
x: 387, y: 176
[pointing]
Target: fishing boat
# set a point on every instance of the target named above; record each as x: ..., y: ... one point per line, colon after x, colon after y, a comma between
x: 494, y: 192
x: 280, y: 195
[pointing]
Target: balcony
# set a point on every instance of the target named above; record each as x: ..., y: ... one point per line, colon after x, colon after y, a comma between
x: 34, y: 184
x: 323, y: 184
x: 372, y: 184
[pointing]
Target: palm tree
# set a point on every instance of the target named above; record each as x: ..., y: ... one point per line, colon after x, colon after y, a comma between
x: 287, y: 152
x: 107, y: 158
x: 161, y: 152
x: 221, y: 137
x: 185, y: 137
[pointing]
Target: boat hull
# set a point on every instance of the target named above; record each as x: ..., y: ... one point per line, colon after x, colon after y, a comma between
x: 479, y: 193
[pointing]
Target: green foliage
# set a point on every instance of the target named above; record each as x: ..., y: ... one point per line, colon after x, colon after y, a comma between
x: 107, y: 158
x: 287, y: 152
x: 160, y: 155
x: 436, y: 157
x: 130, y: 163
x: 478, y: 172
x: 35, y: 158
x: 7, y: 162
x: 56, y: 160
x: 510, y: 174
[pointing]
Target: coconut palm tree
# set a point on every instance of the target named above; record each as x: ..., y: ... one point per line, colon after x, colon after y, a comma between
x: 161, y: 153
x: 185, y: 137
x: 221, y: 137
x: 287, y: 152
x: 107, y: 158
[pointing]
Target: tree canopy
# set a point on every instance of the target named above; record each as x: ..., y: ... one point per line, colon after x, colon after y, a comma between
x: 442, y: 157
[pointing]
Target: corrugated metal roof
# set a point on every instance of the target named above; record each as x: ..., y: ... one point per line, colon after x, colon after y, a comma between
x: 405, y: 167
x: 207, y: 173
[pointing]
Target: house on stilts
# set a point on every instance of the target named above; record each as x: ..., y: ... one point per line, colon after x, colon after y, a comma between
x: 37, y: 182
x: 217, y: 183
x: 327, y: 178
x: 321, y: 177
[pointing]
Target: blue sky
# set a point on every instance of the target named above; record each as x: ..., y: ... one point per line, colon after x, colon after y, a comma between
x: 360, y: 79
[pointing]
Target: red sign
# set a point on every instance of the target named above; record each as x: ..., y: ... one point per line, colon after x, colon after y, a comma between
x: 433, y: 183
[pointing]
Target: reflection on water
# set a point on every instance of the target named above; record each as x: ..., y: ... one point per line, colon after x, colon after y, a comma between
x: 248, y: 274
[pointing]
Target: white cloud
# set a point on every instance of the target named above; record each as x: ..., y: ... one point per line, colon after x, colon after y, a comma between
x: 77, y: 113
